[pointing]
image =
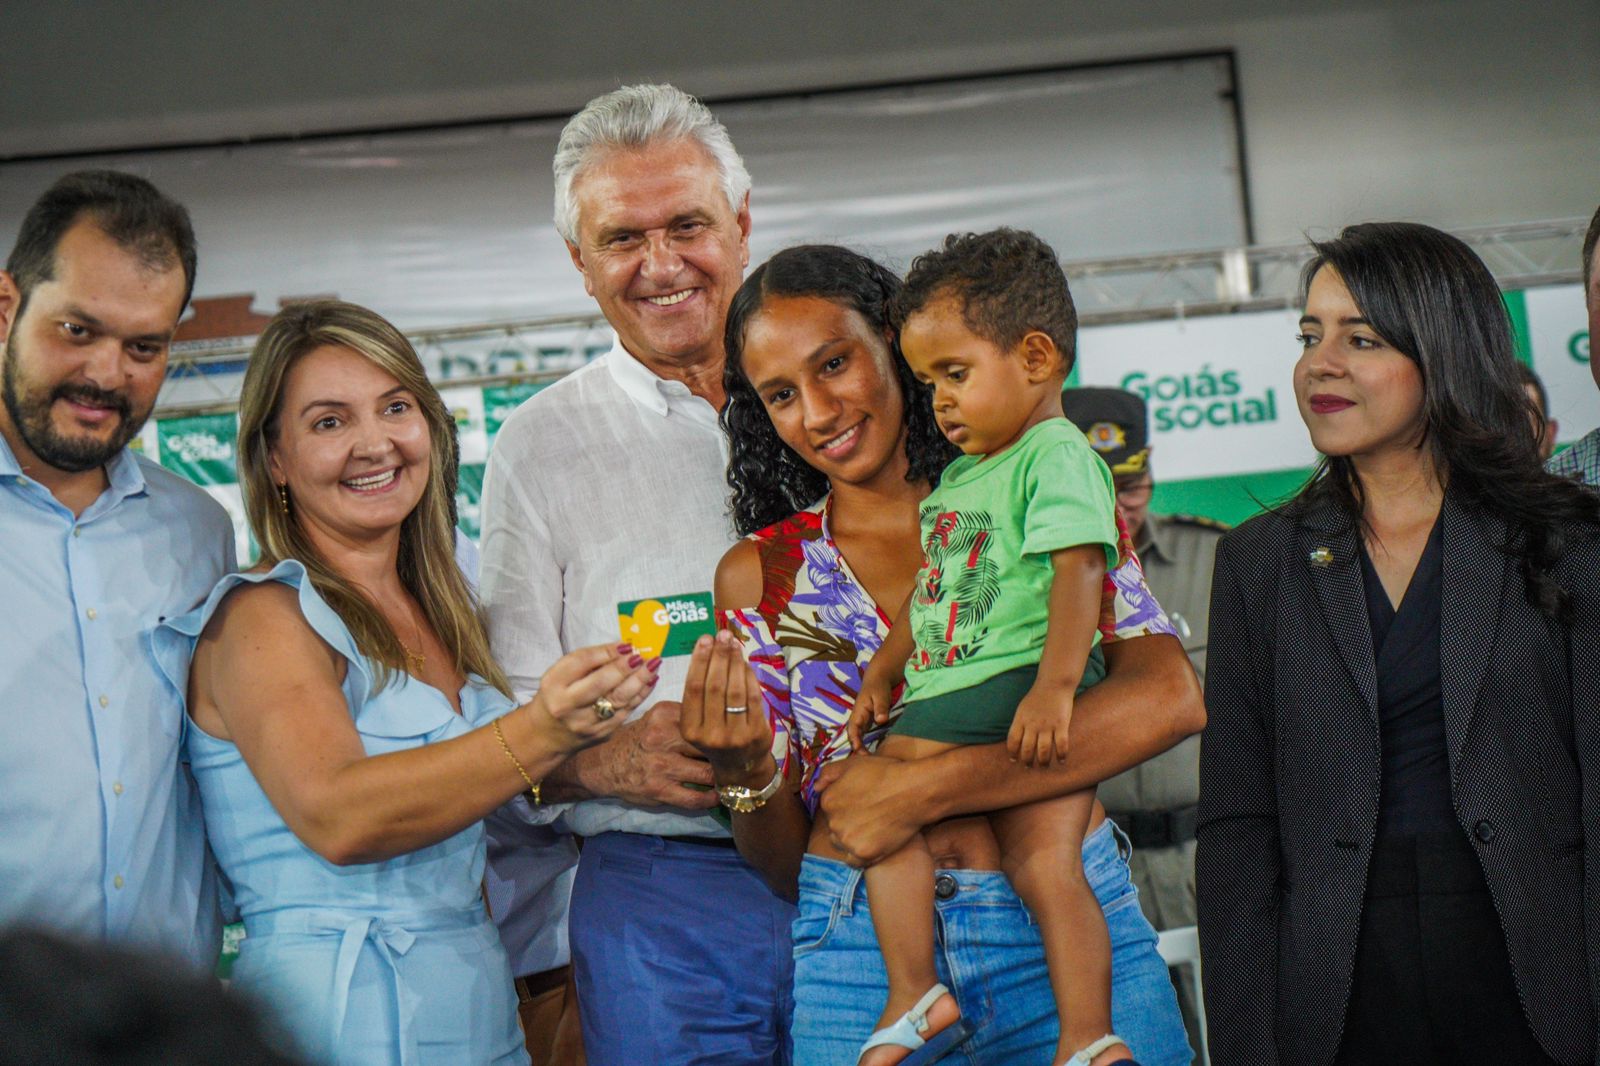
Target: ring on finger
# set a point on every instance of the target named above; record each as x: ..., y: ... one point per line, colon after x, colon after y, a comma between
x: 736, y: 709
x: 604, y: 708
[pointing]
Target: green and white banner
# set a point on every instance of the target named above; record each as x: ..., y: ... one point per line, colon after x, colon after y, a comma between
x: 1554, y: 328
x: 469, y: 499
x: 480, y: 412
x: 466, y: 405
x: 1225, y: 433
x: 500, y: 400
x: 201, y: 447
x: 204, y: 449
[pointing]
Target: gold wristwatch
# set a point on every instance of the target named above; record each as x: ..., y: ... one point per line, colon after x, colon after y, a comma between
x: 741, y: 800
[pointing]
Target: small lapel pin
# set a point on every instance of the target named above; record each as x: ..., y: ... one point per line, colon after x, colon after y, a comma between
x: 1320, y: 557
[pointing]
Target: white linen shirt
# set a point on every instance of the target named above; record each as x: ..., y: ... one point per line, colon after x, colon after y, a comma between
x: 606, y: 487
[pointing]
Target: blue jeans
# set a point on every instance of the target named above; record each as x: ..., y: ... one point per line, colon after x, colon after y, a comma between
x: 681, y: 954
x: 990, y: 955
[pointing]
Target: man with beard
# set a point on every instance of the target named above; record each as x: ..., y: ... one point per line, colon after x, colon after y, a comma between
x: 103, y: 833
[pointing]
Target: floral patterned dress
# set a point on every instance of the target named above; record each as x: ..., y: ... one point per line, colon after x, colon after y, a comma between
x: 815, y: 630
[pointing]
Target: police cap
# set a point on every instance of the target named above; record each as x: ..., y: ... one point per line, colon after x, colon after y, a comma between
x: 1116, y: 424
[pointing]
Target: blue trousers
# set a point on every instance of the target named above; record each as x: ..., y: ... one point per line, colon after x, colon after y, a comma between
x: 682, y: 955
x: 989, y: 953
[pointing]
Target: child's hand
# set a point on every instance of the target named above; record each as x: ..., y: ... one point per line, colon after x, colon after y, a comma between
x: 871, y: 708
x: 1039, y: 731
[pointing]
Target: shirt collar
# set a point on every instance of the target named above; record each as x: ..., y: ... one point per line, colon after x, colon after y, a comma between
x: 9, y: 467
x: 125, y: 474
x: 122, y: 472
x: 640, y: 383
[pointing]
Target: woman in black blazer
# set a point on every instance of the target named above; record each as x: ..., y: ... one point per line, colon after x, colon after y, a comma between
x: 1399, y: 839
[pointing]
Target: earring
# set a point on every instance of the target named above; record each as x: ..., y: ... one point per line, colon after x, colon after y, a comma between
x: 283, y: 497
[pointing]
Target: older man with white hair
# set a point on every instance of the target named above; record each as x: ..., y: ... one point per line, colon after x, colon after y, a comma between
x: 608, y: 488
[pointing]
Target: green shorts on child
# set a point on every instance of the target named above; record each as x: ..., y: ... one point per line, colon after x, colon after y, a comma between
x: 983, y: 713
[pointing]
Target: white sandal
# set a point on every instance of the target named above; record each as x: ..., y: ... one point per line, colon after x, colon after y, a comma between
x: 1084, y: 1056
x: 907, y: 1032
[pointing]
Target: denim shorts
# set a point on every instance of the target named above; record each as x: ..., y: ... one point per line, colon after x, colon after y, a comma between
x: 988, y: 952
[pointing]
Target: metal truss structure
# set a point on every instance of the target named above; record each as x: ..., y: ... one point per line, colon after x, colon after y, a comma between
x: 205, y: 377
x: 1267, y: 277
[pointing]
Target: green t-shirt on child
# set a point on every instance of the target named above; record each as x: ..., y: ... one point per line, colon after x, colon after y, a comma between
x: 981, y: 605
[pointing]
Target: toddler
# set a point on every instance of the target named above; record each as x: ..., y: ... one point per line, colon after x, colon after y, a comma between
x: 1001, y: 631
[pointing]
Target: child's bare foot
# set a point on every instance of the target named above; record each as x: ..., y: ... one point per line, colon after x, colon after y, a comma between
x: 937, y: 1017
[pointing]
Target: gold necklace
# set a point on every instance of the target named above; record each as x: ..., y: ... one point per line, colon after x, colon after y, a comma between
x: 415, y: 660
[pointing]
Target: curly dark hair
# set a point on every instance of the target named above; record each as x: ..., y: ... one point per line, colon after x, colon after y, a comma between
x: 769, y: 481
x: 1429, y: 295
x: 1009, y: 283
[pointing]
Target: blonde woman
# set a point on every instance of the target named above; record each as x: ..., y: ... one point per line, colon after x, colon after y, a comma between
x: 347, y: 726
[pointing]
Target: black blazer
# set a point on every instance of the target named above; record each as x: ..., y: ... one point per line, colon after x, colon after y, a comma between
x: 1289, y: 779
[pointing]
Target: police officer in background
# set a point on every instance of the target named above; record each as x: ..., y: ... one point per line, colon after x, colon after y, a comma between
x: 1155, y: 801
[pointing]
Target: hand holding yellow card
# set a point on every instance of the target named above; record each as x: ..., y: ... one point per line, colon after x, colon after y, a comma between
x: 666, y: 625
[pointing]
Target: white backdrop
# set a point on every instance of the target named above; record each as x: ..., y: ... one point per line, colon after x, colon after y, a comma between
x: 452, y: 227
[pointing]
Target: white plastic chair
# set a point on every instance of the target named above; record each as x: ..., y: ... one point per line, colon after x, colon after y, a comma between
x: 1180, y: 949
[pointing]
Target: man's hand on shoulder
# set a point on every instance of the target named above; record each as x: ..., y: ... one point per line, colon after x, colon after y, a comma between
x: 646, y: 763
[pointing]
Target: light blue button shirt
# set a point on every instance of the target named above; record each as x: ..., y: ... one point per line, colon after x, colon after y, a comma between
x: 100, y: 826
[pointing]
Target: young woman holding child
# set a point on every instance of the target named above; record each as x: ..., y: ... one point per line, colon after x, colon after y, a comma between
x: 834, y: 446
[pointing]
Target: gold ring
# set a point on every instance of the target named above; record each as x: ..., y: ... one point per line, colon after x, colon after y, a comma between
x: 604, y: 708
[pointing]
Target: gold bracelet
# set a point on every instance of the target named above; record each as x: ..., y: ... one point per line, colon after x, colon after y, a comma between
x: 533, y: 786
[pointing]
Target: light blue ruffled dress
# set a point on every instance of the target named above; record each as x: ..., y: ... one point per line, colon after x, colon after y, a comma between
x: 392, y: 962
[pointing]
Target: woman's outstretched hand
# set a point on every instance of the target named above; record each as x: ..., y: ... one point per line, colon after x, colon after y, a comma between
x: 724, y: 714
x: 587, y: 694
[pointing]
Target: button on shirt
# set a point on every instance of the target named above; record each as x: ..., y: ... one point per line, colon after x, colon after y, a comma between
x: 102, y: 834
x: 606, y: 487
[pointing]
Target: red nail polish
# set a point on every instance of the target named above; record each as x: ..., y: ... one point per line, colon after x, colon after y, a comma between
x: 635, y: 661
x: 623, y: 649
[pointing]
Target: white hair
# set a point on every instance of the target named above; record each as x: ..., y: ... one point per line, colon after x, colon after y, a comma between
x: 632, y: 117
